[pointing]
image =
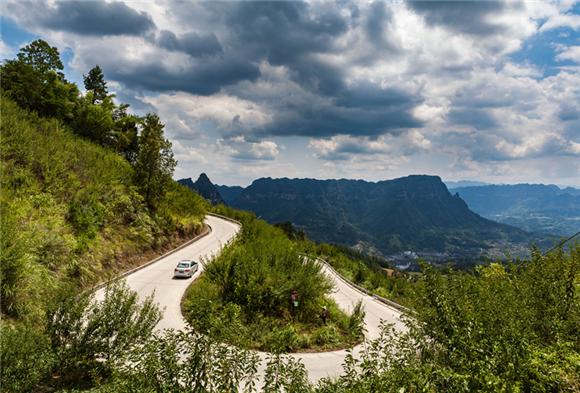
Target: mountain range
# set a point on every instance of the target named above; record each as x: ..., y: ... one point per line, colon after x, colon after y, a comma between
x: 532, y: 207
x: 411, y: 216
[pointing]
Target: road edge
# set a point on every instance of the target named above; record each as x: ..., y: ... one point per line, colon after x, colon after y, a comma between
x: 206, y: 232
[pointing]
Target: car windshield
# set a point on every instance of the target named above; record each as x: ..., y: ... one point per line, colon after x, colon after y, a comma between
x: 183, y: 264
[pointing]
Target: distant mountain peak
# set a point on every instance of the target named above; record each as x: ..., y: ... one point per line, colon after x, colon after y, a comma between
x: 203, y: 178
x: 204, y: 187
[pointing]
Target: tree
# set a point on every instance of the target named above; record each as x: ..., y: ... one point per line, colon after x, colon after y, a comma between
x: 125, y: 134
x: 154, y: 164
x: 94, y: 122
x: 95, y: 83
x: 35, y: 81
x: 42, y: 57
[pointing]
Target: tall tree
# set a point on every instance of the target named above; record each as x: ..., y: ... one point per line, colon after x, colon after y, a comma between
x: 154, y: 164
x: 35, y: 81
x: 42, y: 57
x: 95, y: 83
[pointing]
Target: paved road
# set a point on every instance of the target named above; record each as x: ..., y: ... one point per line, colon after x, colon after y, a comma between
x: 158, y: 278
x: 329, y: 364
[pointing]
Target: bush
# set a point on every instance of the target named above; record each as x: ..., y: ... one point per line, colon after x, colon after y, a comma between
x: 185, y: 361
x: 88, y: 337
x: 26, y: 357
x: 282, y: 340
x: 326, y: 335
x: 356, y: 321
x: 256, y: 276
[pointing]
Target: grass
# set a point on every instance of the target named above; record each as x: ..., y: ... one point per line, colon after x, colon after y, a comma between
x: 71, y: 212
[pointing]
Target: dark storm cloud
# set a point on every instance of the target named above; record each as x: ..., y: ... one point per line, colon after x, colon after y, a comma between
x: 377, y: 22
x: 284, y: 31
x: 470, y: 17
x: 376, y: 112
x: 204, y: 77
x: 85, y: 17
x: 290, y: 34
x: 193, y: 44
x: 293, y: 34
x: 477, y: 118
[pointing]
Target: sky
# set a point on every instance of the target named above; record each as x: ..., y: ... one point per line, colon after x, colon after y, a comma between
x: 486, y: 91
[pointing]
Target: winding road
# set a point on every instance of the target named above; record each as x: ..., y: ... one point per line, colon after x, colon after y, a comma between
x: 157, y: 278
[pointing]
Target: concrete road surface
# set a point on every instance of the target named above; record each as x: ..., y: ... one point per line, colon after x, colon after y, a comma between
x: 158, y: 278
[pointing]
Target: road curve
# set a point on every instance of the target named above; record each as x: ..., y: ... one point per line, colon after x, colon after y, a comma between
x: 157, y: 278
x: 329, y: 364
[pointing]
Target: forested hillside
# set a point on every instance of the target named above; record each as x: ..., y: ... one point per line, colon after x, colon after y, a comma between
x: 86, y: 188
x: 414, y: 213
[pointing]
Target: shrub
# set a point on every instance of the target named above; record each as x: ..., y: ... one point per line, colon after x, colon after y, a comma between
x: 327, y: 334
x: 26, y: 357
x: 88, y: 337
x: 282, y: 340
x: 356, y: 321
x: 185, y: 361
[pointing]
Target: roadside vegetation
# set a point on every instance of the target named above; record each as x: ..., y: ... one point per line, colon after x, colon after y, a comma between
x: 73, y: 207
x: 260, y: 293
x: 367, y: 272
x: 498, y: 329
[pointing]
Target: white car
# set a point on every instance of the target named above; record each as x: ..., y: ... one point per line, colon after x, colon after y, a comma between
x: 185, y: 269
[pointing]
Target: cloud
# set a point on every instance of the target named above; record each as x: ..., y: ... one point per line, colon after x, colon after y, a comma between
x: 571, y: 21
x: 369, y: 89
x: 84, y: 17
x: 348, y: 148
x: 480, y: 119
x: 6, y: 51
x: 193, y: 44
x: 570, y: 53
x: 477, y: 18
x: 186, y: 114
x: 141, y: 65
x: 240, y: 148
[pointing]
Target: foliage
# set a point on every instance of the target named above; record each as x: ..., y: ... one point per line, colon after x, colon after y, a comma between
x: 35, y: 82
x: 245, y: 295
x: 285, y: 374
x: 12, y: 264
x: 25, y: 356
x: 154, y: 163
x: 185, y: 361
x: 87, y: 334
x: 41, y: 56
x: 70, y: 209
x: 81, y: 341
x: 366, y: 271
x: 96, y: 84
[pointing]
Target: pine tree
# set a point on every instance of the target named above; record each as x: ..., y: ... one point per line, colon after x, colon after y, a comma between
x: 95, y: 83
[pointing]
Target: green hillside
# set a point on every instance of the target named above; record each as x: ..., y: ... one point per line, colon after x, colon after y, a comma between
x: 71, y: 210
x: 532, y: 207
